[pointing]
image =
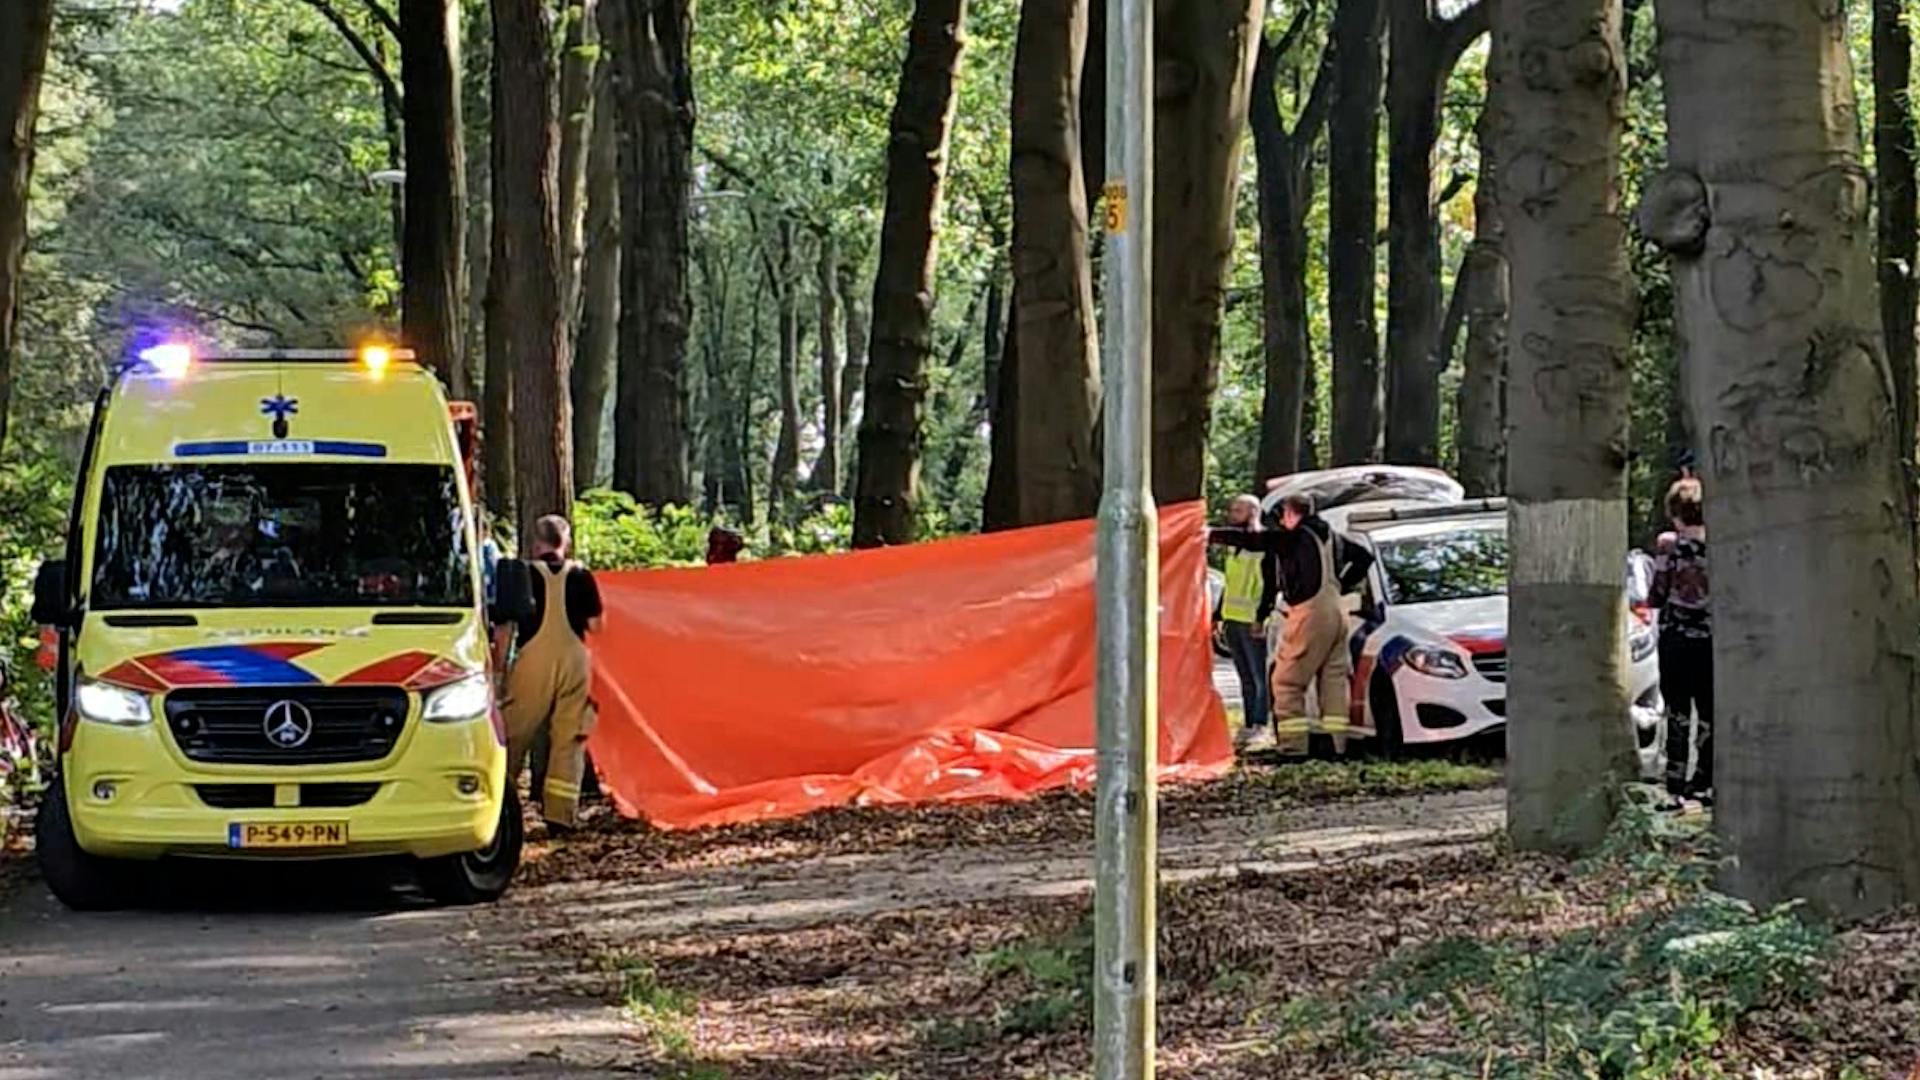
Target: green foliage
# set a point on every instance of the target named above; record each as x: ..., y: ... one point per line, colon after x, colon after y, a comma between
x: 663, y: 1015
x: 613, y: 532
x: 1057, y: 977
x: 1318, y: 781
x: 1650, y: 995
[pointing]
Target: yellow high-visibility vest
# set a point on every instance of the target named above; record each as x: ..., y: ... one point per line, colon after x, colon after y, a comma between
x: 1240, y: 603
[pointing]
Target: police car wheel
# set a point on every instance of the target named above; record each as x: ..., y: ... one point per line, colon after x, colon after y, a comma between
x: 1384, y: 705
x: 479, y: 877
x: 81, y: 881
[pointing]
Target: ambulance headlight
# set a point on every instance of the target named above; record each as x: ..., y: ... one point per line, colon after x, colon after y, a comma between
x: 465, y: 699
x: 108, y: 704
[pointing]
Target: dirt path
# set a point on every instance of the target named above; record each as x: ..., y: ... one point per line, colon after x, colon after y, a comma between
x: 806, y: 891
x: 321, y: 974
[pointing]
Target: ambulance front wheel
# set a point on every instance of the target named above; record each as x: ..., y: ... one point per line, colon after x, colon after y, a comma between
x: 81, y: 881
x: 479, y: 877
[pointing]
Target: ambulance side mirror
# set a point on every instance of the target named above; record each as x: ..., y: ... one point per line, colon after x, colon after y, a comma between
x: 512, y: 591
x: 51, y: 605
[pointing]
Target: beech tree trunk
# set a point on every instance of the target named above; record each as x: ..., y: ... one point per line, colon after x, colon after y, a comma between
x: 1045, y: 466
x: 434, y: 259
x: 1899, y: 217
x: 886, y: 507
x: 593, y: 362
x: 1423, y: 49
x: 853, y: 379
x: 1558, y: 95
x: 579, y: 75
x: 1766, y: 212
x: 527, y: 263
x: 1285, y: 194
x: 786, y: 454
x: 826, y: 466
x: 1203, y: 69
x: 1353, y: 214
x: 26, y: 28
x: 656, y: 118
x: 1483, y: 288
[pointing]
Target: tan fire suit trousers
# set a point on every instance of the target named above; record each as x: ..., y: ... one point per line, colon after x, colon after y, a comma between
x: 547, y: 690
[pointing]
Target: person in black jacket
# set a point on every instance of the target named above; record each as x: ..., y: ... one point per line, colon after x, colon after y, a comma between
x: 1312, y: 567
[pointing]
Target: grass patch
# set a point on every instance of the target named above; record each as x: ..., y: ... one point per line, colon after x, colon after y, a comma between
x: 663, y: 1014
x: 1056, y: 977
x: 1307, y: 781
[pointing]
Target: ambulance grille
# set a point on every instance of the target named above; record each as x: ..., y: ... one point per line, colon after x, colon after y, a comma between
x: 229, y: 725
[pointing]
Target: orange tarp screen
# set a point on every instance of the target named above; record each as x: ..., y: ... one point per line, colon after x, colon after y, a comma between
x: 955, y: 670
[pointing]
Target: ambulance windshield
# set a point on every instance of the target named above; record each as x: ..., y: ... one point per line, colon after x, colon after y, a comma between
x: 280, y: 535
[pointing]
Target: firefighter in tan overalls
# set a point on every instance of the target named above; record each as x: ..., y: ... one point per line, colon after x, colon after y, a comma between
x: 1314, y: 566
x: 548, y: 682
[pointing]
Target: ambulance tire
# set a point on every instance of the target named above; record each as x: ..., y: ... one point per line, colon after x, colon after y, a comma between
x: 479, y: 877
x: 81, y: 881
x: 1384, y: 705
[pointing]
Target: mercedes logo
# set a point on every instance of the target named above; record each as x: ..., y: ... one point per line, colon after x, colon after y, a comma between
x: 288, y: 724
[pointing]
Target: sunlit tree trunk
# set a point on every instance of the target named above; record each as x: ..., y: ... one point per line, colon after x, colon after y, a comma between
x: 1056, y: 365
x: 527, y: 262
x: 826, y: 293
x: 886, y: 508
x: 786, y: 453
x: 578, y: 78
x: 1204, y: 54
x: 1353, y: 211
x: 497, y: 457
x: 859, y: 335
x: 593, y: 360
x: 26, y: 28
x: 1423, y: 49
x: 1766, y: 210
x: 434, y: 258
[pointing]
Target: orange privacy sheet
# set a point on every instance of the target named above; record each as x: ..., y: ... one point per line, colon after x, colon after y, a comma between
x: 955, y: 670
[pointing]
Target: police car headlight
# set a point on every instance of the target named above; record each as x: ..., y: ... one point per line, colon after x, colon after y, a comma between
x: 1439, y: 663
x: 462, y: 700
x: 109, y: 704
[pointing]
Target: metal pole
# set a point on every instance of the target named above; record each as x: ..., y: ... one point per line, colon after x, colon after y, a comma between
x: 1125, y: 878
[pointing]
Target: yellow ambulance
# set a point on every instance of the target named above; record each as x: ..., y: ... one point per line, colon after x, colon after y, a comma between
x: 273, y: 643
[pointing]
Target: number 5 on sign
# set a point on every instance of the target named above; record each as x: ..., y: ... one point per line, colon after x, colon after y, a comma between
x: 1113, y: 200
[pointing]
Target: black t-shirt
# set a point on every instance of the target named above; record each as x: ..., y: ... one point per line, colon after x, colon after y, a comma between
x: 583, y: 601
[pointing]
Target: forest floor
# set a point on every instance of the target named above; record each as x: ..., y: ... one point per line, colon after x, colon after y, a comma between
x: 1317, y: 920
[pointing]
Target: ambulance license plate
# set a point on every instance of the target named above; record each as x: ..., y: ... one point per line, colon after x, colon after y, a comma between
x: 289, y: 834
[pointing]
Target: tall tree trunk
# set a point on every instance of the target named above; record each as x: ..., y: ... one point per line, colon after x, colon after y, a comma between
x: 1423, y: 50
x: 826, y: 288
x: 434, y: 261
x: 656, y: 118
x: 26, y: 28
x: 1203, y: 68
x: 593, y: 361
x: 1899, y: 218
x: 579, y: 77
x: 497, y: 457
x: 477, y: 100
x: 887, y: 504
x: 1058, y: 475
x: 1559, y: 96
x: 1483, y: 285
x: 1284, y: 197
x: 527, y: 264
x: 1000, y: 505
x: 1765, y: 210
x: 786, y: 452
x: 1353, y: 211
x: 859, y: 332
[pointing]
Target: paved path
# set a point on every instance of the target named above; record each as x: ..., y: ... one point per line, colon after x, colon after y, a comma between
x: 280, y: 978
